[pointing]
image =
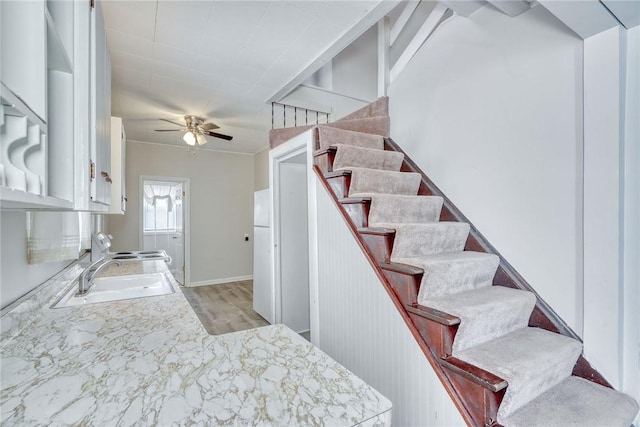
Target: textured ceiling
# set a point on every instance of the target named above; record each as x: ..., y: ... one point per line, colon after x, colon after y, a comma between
x: 218, y: 59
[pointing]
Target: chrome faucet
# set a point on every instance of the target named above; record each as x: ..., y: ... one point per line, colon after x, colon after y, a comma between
x: 85, y: 281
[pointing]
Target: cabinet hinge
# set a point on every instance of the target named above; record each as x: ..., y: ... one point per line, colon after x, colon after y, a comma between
x: 92, y: 170
x: 184, y: 193
x: 92, y: 3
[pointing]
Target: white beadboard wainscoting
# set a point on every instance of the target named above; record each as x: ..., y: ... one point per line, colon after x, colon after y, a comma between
x: 360, y: 327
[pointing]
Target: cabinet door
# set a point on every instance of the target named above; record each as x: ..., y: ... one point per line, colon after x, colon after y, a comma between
x: 118, y: 150
x: 123, y: 165
x: 82, y: 112
x: 101, y: 109
x: 23, y: 64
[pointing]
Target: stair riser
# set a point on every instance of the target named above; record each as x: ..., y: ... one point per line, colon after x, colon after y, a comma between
x: 481, y: 403
x: 365, y: 181
x: 340, y: 185
x: 438, y: 337
x: 445, y: 279
x: 332, y: 135
x: 325, y: 161
x: 429, y: 239
x: 347, y: 157
x: 405, y: 286
x: 379, y: 245
x: 418, y: 210
x: 358, y: 212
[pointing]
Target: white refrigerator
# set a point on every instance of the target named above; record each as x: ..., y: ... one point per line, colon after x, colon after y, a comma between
x: 262, y: 285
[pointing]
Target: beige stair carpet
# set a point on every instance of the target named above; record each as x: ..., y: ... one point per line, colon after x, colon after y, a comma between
x: 493, y: 333
x: 349, y: 156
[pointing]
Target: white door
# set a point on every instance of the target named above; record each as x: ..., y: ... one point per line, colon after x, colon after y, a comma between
x: 262, y: 284
x: 294, y: 246
x: 163, y: 222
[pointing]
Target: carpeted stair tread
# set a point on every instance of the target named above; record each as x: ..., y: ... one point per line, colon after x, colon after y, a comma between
x: 329, y: 136
x: 364, y: 180
x: 531, y: 360
x: 576, y: 402
x: 416, y: 240
x: 387, y: 208
x: 485, y: 313
x: 450, y: 273
x: 349, y: 156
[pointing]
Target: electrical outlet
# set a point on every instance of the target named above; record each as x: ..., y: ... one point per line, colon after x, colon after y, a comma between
x: 246, y: 237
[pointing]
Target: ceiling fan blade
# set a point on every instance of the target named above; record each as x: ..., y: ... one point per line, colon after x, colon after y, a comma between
x: 173, y: 123
x: 168, y: 130
x: 209, y: 126
x: 219, y: 135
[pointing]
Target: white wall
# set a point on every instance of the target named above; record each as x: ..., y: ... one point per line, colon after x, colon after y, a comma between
x: 631, y: 224
x: 261, y: 169
x: 16, y: 276
x: 360, y: 327
x: 603, y: 137
x: 355, y: 68
x: 491, y: 109
x: 221, y: 203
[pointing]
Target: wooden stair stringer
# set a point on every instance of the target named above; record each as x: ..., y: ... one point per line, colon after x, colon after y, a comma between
x: 543, y: 315
x: 442, y: 374
x: 476, y: 393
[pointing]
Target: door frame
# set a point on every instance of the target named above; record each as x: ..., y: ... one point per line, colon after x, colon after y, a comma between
x: 186, y: 217
x: 303, y: 143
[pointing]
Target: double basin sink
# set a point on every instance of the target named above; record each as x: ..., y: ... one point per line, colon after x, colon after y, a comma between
x: 115, y: 288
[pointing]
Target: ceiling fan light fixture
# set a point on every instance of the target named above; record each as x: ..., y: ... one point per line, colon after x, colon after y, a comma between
x: 201, y: 139
x: 189, y: 138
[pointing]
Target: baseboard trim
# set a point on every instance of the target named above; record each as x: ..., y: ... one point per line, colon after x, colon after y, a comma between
x: 219, y: 281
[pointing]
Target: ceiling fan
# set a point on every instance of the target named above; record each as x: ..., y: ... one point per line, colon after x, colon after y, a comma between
x: 195, y: 129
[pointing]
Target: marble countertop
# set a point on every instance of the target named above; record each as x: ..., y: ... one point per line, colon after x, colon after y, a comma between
x: 149, y: 361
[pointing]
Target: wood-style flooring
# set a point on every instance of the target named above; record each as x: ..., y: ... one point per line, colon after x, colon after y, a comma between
x: 225, y: 308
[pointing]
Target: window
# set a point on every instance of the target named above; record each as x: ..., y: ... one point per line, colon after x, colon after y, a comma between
x: 159, y: 207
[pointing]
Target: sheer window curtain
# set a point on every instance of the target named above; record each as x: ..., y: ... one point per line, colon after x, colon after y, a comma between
x: 159, y: 195
x: 57, y: 236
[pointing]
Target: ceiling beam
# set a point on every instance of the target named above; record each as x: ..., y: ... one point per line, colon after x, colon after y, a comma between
x: 374, y: 15
x: 585, y: 18
x: 464, y: 7
x: 383, y: 56
x: 423, y: 33
x: 627, y: 12
x: 511, y: 7
x: 402, y: 20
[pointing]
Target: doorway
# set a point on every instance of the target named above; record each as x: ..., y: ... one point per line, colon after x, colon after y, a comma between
x: 294, y: 243
x: 293, y: 215
x: 164, y: 218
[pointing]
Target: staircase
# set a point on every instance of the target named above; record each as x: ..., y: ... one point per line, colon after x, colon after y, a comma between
x: 503, y: 354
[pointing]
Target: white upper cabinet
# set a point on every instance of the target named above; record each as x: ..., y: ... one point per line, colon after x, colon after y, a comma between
x: 24, y: 55
x: 118, y: 163
x: 101, y: 111
x: 56, y: 106
x: 23, y: 108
